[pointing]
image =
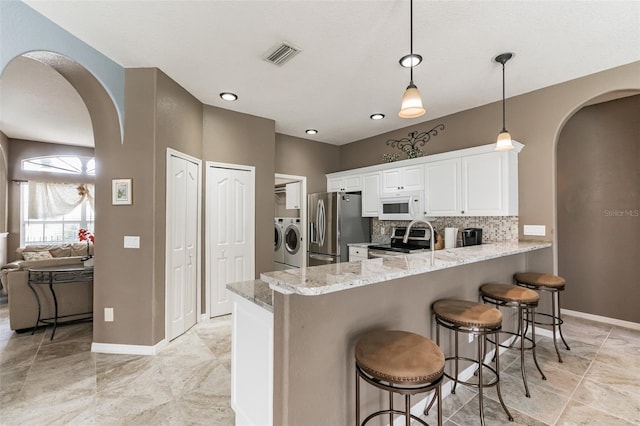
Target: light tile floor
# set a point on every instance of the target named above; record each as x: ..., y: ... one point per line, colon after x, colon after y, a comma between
x: 188, y: 382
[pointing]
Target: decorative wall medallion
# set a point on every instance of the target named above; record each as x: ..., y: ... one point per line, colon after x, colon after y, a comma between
x: 412, y: 146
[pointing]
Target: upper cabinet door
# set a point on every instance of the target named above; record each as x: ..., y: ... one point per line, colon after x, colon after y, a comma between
x: 391, y: 180
x: 353, y: 183
x: 335, y: 184
x: 485, y: 184
x: 442, y: 183
x: 371, y: 194
x: 413, y: 178
x: 409, y: 178
x: 350, y: 183
x: 293, y: 195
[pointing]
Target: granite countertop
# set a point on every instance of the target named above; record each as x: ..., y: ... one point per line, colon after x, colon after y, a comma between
x: 324, y: 279
x: 256, y: 291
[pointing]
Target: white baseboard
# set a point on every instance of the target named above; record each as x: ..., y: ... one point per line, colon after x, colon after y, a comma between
x: 110, y: 348
x: 606, y: 320
x: 545, y: 332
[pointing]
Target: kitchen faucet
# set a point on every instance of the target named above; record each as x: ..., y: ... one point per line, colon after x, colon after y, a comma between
x: 431, y: 242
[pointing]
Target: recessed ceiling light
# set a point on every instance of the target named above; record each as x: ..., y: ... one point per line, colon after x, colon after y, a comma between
x: 412, y: 60
x: 377, y: 116
x: 311, y: 131
x: 228, y: 96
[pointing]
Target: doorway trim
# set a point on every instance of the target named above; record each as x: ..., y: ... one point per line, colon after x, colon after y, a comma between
x: 207, y: 227
x: 167, y: 267
x: 303, y: 210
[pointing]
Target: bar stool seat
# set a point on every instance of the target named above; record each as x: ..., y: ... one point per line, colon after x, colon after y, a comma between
x: 398, y: 362
x: 480, y: 320
x: 553, y: 284
x: 525, y: 301
x: 540, y: 280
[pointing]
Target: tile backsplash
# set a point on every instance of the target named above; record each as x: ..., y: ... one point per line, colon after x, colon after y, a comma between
x: 494, y: 228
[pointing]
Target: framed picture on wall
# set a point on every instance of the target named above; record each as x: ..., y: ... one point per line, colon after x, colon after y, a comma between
x: 121, y: 192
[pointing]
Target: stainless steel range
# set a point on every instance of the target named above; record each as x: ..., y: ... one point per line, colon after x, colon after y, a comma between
x: 418, y: 242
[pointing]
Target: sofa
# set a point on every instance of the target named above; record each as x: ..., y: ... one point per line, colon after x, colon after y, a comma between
x: 73, y: 298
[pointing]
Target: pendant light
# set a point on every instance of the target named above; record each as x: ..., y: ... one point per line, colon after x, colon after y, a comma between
x: 504, y: 138
x: 411, y: 100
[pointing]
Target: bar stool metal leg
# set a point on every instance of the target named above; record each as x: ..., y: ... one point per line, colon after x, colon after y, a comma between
x: 553, y: 284
x: 525, y: 302
x: 480, y: 321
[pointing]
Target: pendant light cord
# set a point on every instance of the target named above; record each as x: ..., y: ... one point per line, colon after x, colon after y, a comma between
x: 411, y: 37
x: 504, y: 127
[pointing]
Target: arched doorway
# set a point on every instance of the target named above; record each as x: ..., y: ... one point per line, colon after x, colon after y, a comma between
x: 598, y: 206
x: 106, y: 130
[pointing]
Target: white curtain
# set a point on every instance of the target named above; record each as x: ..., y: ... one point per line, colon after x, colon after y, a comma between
x: 49, y: 200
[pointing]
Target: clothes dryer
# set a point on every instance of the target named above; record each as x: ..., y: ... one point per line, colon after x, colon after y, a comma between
x: 293, y: 252
x: 278, y: 240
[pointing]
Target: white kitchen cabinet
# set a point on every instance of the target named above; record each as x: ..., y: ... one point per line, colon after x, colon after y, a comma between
x: 252, y: 359
x: 350, y: 183
x: 358, y: 253
x: 476, y: 185
x: 293, y: 195
x: 443, y: 188
x: 477, y: 181
x: 370, y: 194
x: 408, y: 178
x: 489, y: 184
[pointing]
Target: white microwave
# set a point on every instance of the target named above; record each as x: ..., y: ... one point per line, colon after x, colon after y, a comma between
x: 407, y: 206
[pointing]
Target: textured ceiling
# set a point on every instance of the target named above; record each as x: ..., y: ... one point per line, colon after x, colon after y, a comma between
x: 348, y: 67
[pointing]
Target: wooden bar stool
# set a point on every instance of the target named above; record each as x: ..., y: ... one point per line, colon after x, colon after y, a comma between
x: 525, y: 301
x: 481, y: 320
x: 553, y: 284
x: 398, y: 362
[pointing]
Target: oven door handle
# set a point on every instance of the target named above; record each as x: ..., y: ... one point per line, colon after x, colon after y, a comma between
x: 322, y: 257
x: 373, y: 254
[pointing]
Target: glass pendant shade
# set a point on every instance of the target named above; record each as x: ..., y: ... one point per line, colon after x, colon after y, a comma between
x: 504, y: 141
x: 411, y: 103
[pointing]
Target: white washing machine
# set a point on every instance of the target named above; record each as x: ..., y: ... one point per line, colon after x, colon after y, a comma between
x: 278, y: 240
x: 293, y: 252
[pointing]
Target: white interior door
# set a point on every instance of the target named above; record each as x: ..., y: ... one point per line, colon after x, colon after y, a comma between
x: 230, y: 214
x: 182, y: 203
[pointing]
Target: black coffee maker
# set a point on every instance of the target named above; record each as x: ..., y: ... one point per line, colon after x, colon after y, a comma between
x: 471, y: 236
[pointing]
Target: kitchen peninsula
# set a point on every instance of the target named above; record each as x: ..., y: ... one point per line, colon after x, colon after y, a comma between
x: 317, y: 313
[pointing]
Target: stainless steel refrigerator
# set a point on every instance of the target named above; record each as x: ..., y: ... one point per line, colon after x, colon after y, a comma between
x: 335, y: 220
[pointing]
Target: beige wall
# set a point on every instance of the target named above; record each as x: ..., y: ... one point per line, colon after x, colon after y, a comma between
x: 4, y: 181
x: 535, y: 119
x: 599, y: 209
x: 129, y: 284
x: 242, y: 139
x: 159, y: 114
x: 302, y: 157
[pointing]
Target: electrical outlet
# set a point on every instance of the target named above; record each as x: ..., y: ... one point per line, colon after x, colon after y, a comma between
x: 539, y: 230
x: 108, y: 314
x: 131, y: 241
x: 471, y: 336
x: 383, y: 231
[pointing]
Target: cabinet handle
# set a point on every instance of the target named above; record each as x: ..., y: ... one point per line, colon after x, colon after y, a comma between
x: 462, y: 212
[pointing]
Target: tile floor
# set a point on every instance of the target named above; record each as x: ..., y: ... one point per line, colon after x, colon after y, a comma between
x: 188, y: 382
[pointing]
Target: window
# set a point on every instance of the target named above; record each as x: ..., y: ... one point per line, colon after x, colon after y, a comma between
x: 66, y: 164
x: 48, y: 226
x: 52, y: 213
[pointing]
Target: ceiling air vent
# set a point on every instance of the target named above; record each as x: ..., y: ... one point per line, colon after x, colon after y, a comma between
x: 281, y: 53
